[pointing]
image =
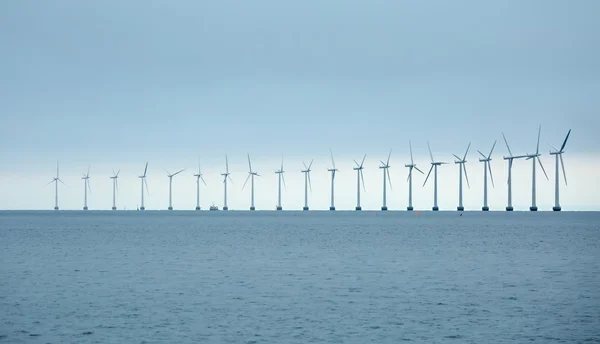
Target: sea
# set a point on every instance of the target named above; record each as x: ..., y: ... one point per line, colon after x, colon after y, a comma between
x: 299, y: 277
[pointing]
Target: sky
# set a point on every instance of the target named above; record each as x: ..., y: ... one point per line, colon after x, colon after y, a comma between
x: 114, y: 84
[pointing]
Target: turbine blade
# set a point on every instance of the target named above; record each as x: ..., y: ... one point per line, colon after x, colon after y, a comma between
x: 388, y: 159
x: 63, y: 183
x: 411, y: 155
x: 467, y: 151
x: 562, y: 164
x: 357, y: 165
x: 113, y: 171
x: 146, y: 169
x: 249, y: 164
x: 88, y: 174
x: 389, y: 178
x: 178, y: 172
x: 226, y: 164
x: 409, y: 174
x: 565, y: 143
x: 281, y: 164
x: 507, y: 147
x: 305, y: 167
x: 202, y: 178
x: 542, y: 166
x: 119, y: 171
x: 88, y: 185
x: 481, y: 154
x: 309, y: 182
x: 556, y: 149
x: 382, y: 163
x: 56, y: 168
x: 311, y: 162
x: 52, y: 181
x: 537, y: 150
x: 416, y: 168
x: 243, y: 186
x: 429, y: 147
x: 332, y: 161
x: 362, y: 178
x: 489, y: 165
x: 456, y: 156
x: 466, y: 175
x: 363, y: 160
x: 492, y: 149
x: 231, y: 180
x: 427, y: 178
x: 283, y: 179
x: 146, y: 183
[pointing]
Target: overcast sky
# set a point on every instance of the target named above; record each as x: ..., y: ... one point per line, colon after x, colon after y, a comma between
x: 116, y: 83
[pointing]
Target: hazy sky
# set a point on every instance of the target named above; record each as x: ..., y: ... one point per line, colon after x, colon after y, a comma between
x: 116, y: 83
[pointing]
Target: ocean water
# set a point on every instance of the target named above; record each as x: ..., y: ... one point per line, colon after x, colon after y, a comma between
x: 299, y: 277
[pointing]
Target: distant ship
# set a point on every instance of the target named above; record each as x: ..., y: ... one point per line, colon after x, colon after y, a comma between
x: 213, y: 207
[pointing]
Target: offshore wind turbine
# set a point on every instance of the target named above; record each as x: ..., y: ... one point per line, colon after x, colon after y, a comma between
x: 333, y: 170
x: 385, y: 167
x: 171, y: 185
x: 359, y: 176
x: 198, y: 178
x: 434, y: 166
x: 461, y: 167
x: 510, y: 159
x: 558, y: 155
x: 409, y: 179
x: 307, y: 183
x: 225, y: 177
x: 251, y: 175
x: 86, y: 187
x: 280, y: 178
x: 144, y: 182
x: 533, y: 158
x: 55, y: 180
x: 487, y: 166
x: 114, y: 177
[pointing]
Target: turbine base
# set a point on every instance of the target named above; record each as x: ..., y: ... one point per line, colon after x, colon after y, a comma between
x: 332, y: 208
x: 358, y: 208
x: 114, y: 208
x: 305, y: 208
x: 509, y: 208
x: 532, y: 208
x: 383, y: 208
x: 142, y: 208
x: 197, y: 208
x: 460, y: 208
x: 170, y: 208
x: 225, y: 208
x: 85, y: 208
x: 485, y: 208
x: 409, y: 208
x: 556, y: 208
x: 55, y: 208
x: 279, y: 208
x: 435, y: 208
x: 252, y: 208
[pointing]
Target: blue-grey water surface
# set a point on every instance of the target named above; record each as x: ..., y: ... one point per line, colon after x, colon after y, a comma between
x: 299, y: 277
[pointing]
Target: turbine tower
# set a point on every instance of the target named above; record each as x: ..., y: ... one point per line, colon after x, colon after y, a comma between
x: 510, y: 159
x: 332, y: 170
x: 251, y: 175
x: 114, y: 177
x: 55, y: 180
x: 359, y: 176
x: 533, y: 158
x: 409, y: 179
x: 86, y: 187
x: 434, y: 166
x: 558, y: 155
x: 461, y: 168
x: 307, y: 183
x: 198, y: 178
x: 144, y: 182
x: 225, y: 177
x: 171, y: 185
x: 385, y: 167
x: 280, y: 178
x: 487, y: 166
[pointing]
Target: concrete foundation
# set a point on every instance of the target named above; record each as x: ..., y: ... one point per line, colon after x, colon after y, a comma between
x: 435, y: 208
x: 383, y: 208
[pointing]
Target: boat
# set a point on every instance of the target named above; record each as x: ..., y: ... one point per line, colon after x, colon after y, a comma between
x: 213, y: 207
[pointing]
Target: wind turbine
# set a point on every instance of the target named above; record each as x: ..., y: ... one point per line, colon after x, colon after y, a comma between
x: 307, y: 183
x: 171, y: 185
x: 225, y: 177
x: 385, y: 166
x: 114, y: 177
x: 434, y: 166
x: 461, y: 167
x: 510, y: 159
x: 144, y: 182
x: 86, y: 187
x: 409, y: 179
x: 333, y: 170
x: 533, y: 158
x: 487, y: 166
x: 359, y: 176
x: 55, y: 180
x: 251, y: 175
x: 198, y: 178
x: 280, y: 178
x: 558, y: 155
